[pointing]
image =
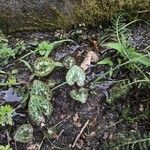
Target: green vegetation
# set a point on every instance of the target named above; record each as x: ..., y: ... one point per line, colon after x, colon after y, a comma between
x: 128, y: 57
x: 75, y: 75
x: 44, y: 66
x: 69, y: 61
x: 38, y: 91
x: 6, y: 113
x: 132, y: 141
x: 80, y: 95
x: 137, y: 64
x: 7, y: 147
x: 24, y: 133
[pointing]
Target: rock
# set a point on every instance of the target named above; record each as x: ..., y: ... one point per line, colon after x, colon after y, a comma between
x: 16, y: 15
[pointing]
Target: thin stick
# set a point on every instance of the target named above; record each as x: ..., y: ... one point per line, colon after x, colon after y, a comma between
x: 58, y: 86
x: 78, y: 136
x: 61, y: 121
x: 60, y: 134
x: 39, y: 148
x: 54, y: 145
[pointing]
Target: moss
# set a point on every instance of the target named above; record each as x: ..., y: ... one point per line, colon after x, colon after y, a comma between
x: 70, y: 12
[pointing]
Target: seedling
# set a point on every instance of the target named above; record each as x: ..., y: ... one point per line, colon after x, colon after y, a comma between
x: 105, y: 61
x: 45, y: 47
x: 6, y: 113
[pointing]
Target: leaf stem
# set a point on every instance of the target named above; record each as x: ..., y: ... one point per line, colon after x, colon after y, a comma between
x: 58, y: 86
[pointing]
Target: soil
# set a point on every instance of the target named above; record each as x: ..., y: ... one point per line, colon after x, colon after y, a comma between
x: 105, y: 121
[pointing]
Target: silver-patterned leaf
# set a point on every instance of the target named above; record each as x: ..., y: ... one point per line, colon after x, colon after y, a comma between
x: 75, y: 75
x: 24, y: 133
x: 38, y: 108
x: 80, y: 95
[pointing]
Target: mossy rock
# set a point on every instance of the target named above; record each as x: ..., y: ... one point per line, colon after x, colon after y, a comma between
x: 48, y: 15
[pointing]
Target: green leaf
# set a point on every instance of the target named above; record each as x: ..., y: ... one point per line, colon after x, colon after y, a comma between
x: 69, y: 61
x: 11, y: 80
x: 80, y: 95
x: 6, y: 113
x: 116, y: 46
x: 7, y: 147
x: 39, y: 107
x: 75, y: 75
x: 105, y: 61
x: 45, y: 48
x: 41, y: 89
x: 24, y: 133
x: 27, y: 65
x: 44, y: 66
x: 140, y: 58
x: 129, y: 53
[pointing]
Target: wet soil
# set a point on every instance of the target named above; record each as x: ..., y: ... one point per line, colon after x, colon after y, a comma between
x: 69, y: 117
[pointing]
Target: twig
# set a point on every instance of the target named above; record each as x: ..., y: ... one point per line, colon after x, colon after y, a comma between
x: 39, y: 148
x: 16, y: 148
x: 60, y: 134
x: 58, y: 86
x: 61, y: 121
x: 78, y: 136
x: 54, y: 145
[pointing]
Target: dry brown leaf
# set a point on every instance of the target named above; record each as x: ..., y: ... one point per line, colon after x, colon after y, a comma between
x: 75, y: 117
x: 90, y: 57
x: 33, y: 146
x: 141, y: 108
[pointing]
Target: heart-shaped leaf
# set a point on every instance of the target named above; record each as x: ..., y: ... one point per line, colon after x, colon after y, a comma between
x: 75, y: 75
x: 80, y: 95
x: 69, y: 61
x: 24, y: 133
x: 44, y: 66
x: 38, y: 108
x: 41, y: 89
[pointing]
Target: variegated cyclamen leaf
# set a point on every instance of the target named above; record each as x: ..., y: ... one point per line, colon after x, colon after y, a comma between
x: 80, y: 95
x: 75, y: 75
x: 39, y: 107
x: 43, y: 66
x: 24, y: 133
x: 41, y: 89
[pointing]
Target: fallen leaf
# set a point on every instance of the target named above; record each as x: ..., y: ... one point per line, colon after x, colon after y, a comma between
x: 141, y: 108
x: 90, y: 57
x: 33, y: 146
x: 75, y: 117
